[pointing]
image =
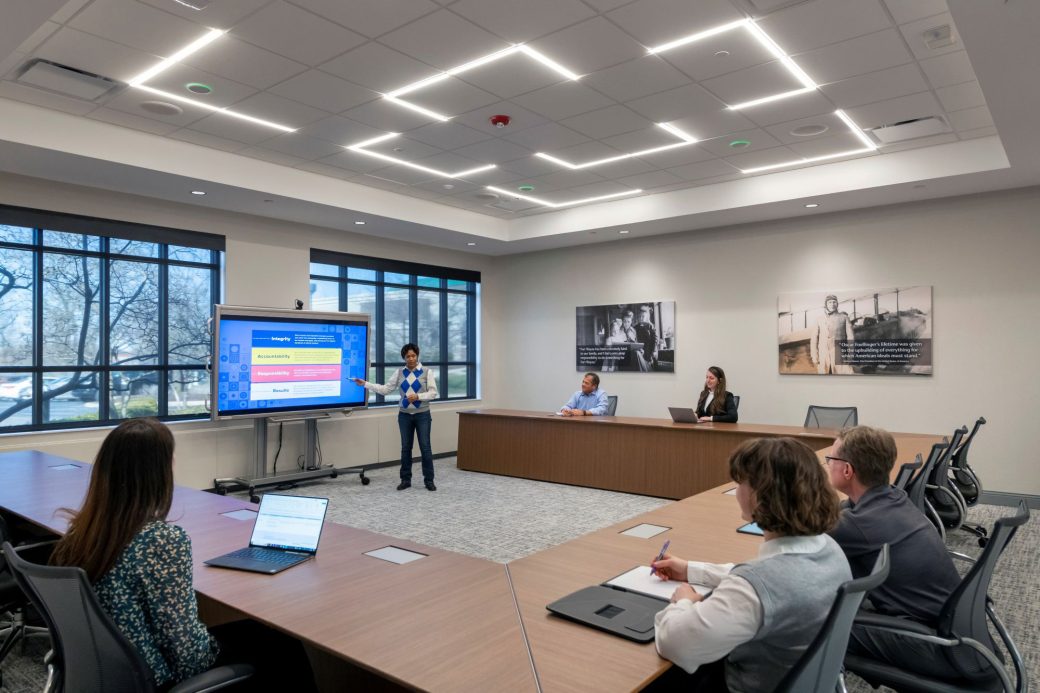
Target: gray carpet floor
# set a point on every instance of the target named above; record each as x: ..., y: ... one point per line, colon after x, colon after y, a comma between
x: 503, y: 519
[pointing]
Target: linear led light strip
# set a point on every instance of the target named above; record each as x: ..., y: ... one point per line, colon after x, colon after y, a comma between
x: 667, y: 127
x: 394, y: 96
x: 868, y: 146
x: 212, y: 35
x: 557, y: 205
x: 360, y: 148
x: 768, y: 43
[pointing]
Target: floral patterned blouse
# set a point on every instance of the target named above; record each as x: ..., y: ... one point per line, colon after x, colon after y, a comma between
x: 148, y: 593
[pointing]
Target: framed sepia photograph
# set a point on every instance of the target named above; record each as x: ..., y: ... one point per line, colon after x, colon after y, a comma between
x: 627, y: 337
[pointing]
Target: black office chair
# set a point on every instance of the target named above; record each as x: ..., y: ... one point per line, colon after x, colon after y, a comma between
x: 962, y: 624
x: 13, y: 602
x: 917, y: 488
x: 965, y: 482
x: 819, y: 668
x: 947, y: 503
x: 831, y: 417
x: 90, y: 654
x: 906, y: 472
x: 736, y: 401
x: 611, y: 404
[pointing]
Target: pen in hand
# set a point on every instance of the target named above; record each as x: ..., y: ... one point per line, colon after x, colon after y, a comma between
x: 653, y: 570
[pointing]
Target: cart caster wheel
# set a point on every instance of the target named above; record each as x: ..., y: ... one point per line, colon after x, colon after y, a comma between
x: 983, y: 541
x: 222, y: 490
x: 982, y: 531
x: 365, y: 481
x: 334, y: 474
x: 254, y: 498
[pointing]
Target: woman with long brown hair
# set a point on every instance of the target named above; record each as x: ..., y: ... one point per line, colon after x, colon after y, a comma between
x: 716, y: 403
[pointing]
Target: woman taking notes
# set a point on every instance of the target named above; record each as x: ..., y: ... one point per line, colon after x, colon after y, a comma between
x: 763, y: 613
x: 716, y: 403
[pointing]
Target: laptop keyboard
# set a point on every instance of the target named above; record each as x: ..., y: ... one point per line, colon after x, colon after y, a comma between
x: 267, y: 555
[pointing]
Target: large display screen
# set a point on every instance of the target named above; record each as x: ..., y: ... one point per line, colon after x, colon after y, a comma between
x: 275, y: 361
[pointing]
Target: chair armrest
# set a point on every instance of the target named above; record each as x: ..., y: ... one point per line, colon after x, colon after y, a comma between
x: 214, y: 679
x: 869, y: 619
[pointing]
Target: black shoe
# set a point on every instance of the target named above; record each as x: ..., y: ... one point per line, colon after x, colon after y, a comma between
x: 430, y: 486
x: 403, y: 485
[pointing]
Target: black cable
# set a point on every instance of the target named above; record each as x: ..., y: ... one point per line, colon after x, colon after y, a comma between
x: 279, y: 451
x: 319, y: 462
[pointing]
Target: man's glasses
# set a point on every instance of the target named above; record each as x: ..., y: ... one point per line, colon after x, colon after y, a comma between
x: 830, y: 459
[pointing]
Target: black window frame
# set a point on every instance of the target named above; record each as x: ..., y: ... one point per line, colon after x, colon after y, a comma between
x: 383, y: 363
x: 41, y: 221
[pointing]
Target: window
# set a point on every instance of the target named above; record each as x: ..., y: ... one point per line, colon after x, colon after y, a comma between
x: 102, y: 320
x: 434, y: 307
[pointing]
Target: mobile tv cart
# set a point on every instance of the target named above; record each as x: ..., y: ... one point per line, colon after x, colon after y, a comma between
x: 311, y: 469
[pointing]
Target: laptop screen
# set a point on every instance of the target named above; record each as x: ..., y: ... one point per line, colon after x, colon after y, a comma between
x: 289, y: 522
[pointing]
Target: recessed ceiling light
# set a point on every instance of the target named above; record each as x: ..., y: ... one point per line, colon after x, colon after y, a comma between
x: 471, y: 243
x: 525, y: 188
x: 810, y: 130
x: 161, y: 108
x: 198, y: 192
x: 812, y: 205
x: 740, y: 144
x: 721, y: 54
x: 623, y: 232
x: 359, y: 222
x: 449, y: 186
x: 198, y: 88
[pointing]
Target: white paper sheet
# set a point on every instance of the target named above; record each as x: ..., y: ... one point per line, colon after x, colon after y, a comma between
x: 640, y: 580
x: 395, y: 555
x: 645, y: 531
x: 241, y: 514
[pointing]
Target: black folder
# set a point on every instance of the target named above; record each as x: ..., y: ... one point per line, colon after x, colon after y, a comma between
x: 617, y: 611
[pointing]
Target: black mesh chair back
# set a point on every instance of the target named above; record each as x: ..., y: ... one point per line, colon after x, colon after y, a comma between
x: 917, y: 488
x: 964, y: 614
x: 819, y: 667
x: 611, y: 404
x: 736, y: 401
x: 831, y: 417
x: 906, y: 472
x: 961, y: 473
x: 91, y: 654
x: 943, y: 499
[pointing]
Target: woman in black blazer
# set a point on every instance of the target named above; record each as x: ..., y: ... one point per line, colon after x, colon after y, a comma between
x: 715, y: 403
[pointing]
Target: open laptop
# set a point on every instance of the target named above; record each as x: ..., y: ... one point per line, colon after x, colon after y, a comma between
x: 683, y: 414
x: 285, y: 533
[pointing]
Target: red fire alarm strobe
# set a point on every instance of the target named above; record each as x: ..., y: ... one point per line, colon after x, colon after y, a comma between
x: 499, y: 121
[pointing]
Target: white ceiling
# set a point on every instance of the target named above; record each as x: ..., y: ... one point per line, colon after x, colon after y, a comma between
x: 321, y: 67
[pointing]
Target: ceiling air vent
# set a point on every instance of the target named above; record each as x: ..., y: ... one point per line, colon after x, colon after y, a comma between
x: 66, y: 80
x: 910, y: 129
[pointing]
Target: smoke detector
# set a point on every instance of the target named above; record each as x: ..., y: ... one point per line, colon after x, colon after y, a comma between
x: 499, y: 121
x: 939, y: 37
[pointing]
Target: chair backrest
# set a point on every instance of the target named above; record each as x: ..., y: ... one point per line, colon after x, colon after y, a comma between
x: 91, y: 654
x: 961, y: 473
x: 736, y: 401
x: 906, y: 472
x: 819, y: 667
x: 939, y: 474
x: 959, y: 459
x: 831, y: 417
x: 915, y: 490
x: 940, y: 493
x: 611, y: 404
x: 964, y: 613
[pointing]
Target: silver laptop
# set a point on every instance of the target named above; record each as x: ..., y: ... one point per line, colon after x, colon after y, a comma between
x: 286, y: 532
x: 683, y: 414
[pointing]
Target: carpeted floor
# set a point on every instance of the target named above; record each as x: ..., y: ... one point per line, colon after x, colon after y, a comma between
x: 503, y: 519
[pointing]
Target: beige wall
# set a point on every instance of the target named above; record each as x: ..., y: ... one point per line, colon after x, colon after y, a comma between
x: 980, y: 253
x: 267, y: 264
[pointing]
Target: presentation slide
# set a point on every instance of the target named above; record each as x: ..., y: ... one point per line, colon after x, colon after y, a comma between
x: 289, y: 364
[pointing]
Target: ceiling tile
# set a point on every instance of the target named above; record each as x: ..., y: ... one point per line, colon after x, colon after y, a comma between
x: 913, y: 32
x: 404, y: 175
x: 563, y: 180
x: 809, y: 25
x: 522, y: 21
x: 590, y: 46
x: 513, y: 75
x: 857, y: 56
x: 218, y: 14
x: 877, y: 86
x: 625, y: 168
x: 206, y: 140
x: 720, y: 146
x: 606, y: 5
x: 243, y: 62
x: 718, y: 55
x: 339, y: 130
x: 826, y: 146
x: 801, y: 106
x: 981, y: 132
x: 233, y: 129
x: 545, y: 137
x: 703, y: 169
x: 272, y: 156
x: 44, y: 32
x: 404, y: 148
x: 450, y: 162
x: 129, y: 120
x: 680, y: 156
x: 322, y: 90
x: 302, y: 147
x: 369, y: 17
x: 563, y: 100
x: 654, y: 22
x: 39, y: 97
x: 130, y: 100
x: 766, y: 157
x: 494, y: 151
x: 961, y: 96
x: 892, y: 111
x: 650, y: 180
x: 297, y: 34
x: 451, y: 97
x: 282, y: 111
x: 584, y: 152
x: 581, y: 192
x: 638, y: 140
x: 378, y: 68
x: 921, y: 142
x: 752, y: 83
x: 386, y: 116
x: 606, y: 122
x: 458, y: 187
x: 496, y: 176
x: 138, y: 26
x: 521, y: 119
x: 947, y: 70
x: 529, y: 167
x: 636, y: 78
x: 92, y: 54
x: 175, y: 80
x: 326, y: 170
x: 353, y: 161
x: 444, y: 40
x: 971, y: 118
x: 450, y: 135
x: 908, y: 10
x: 11, y: 66
x: 832, y: 123
x: 686, y: 101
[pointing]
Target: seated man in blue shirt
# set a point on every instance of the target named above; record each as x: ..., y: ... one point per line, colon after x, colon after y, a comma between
x: 588, y: 401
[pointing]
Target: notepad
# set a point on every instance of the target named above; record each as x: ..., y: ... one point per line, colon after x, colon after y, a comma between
x: 396, y: 555
x: 641, y: 581
x: 644, y: 531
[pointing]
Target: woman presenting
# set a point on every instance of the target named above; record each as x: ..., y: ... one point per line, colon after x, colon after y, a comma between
x: 715, y: 403
x: 418, y: 386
